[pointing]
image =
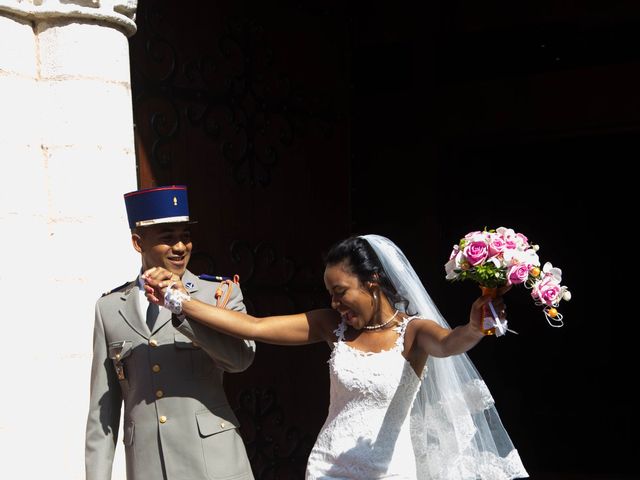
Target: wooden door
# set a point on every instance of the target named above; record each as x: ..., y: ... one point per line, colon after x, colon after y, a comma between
x: 245, y: 104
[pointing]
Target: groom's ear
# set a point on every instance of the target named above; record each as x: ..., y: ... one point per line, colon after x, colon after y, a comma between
x: 136, y: 241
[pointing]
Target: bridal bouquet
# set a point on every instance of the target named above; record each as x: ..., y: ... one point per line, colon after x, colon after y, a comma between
x: 494, y: 258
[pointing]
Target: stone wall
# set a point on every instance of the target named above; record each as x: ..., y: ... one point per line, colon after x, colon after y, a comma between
x: 66, y: 157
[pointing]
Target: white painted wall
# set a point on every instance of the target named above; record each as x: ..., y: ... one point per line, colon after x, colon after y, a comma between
x: 66, y: 158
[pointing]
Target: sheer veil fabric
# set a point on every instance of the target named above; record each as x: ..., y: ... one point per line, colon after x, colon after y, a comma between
x: 455, y: 428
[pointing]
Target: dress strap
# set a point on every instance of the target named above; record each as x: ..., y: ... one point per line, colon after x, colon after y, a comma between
x: 401, y: 329
x: 339, y: 331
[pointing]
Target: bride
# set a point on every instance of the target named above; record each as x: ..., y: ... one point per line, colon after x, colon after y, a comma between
x: 405, y: 401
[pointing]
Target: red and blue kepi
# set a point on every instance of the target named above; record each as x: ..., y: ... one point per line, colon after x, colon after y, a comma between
x: 152, y: 206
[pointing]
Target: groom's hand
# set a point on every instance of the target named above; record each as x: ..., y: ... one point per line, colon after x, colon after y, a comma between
x: 157, y: 280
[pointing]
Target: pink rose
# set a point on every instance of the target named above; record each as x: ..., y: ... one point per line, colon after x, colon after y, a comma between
x: 518, y: 273
x: 496, y: 245
x: 547, y: 291
x: 476, y: 252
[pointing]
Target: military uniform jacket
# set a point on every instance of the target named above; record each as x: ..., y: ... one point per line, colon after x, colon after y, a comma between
x: 178, y: 424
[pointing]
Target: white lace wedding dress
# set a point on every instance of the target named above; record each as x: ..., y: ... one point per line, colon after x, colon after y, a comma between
x: 385, y: 422
x: 373, y: 419
x: 367, y: 433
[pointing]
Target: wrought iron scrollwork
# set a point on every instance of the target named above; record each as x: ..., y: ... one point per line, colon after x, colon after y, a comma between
x: 233, y: 92
x: 271, y: 283
x: 275, y: 449
x: 164, y: 124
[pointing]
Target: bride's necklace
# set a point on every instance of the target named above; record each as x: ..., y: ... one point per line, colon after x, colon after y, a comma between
x: 382, y: 325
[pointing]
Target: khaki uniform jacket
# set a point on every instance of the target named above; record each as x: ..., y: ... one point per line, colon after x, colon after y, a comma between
x: 178, y: 424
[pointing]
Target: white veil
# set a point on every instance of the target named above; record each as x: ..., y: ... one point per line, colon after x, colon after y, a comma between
x: 455, y: 428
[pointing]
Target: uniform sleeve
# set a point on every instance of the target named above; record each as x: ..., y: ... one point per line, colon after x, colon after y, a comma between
x: 104, y: 408
x: 230, y: 354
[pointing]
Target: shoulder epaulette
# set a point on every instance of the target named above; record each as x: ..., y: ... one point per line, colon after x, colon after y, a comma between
x: 214, y: 278
x: 118, y: 288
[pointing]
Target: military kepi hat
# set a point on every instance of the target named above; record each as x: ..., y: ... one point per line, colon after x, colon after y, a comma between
x: 152, y: 206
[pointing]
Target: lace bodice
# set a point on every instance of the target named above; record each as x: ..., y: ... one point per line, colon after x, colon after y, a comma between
x: 366, y: 435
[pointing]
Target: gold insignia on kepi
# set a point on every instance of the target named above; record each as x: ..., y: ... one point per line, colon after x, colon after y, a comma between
x: 175, y: 201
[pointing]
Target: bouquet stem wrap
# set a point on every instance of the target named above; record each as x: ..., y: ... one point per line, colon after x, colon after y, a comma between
x: 488, y: 322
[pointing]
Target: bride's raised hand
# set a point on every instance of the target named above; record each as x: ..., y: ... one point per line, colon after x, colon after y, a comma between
x: 497, y: 305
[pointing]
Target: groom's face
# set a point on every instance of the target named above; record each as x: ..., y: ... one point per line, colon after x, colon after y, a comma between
x: 164, y: 245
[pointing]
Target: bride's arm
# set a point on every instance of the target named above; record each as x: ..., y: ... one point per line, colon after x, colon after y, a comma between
x: 297, y: 329
x: 442, y: 342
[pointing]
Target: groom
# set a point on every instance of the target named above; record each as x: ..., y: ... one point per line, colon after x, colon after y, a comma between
x: 177, y: 422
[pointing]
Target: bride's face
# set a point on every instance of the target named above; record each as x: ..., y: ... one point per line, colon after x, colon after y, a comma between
x: 349, y: 296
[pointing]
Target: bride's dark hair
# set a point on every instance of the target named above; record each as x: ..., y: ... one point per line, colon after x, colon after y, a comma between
x: 361, y: 260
